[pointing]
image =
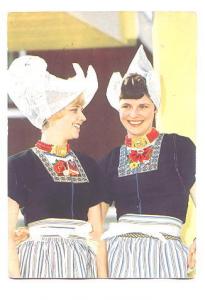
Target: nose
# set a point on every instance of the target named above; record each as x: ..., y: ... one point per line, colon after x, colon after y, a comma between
x: 134, y: 112
x: 82, y: 117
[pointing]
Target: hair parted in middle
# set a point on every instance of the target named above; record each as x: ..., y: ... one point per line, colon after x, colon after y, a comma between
x: 134, y: 87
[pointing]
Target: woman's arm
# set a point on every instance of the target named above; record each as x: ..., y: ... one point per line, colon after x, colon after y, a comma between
x: 193, y: 193
x: 192, y: 249
x: 13, y: 211
x: 95, y: 219
x: 104, y: 209
x: 192, y: 256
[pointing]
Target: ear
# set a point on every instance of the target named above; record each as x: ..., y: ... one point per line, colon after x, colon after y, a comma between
x: 45, y: 124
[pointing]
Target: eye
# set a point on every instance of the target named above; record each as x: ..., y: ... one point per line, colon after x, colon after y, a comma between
x: 125, y: 105
x: 143, y: 106
x: 75, y: 108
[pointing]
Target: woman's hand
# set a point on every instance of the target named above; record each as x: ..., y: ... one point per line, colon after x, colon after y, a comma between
x: 13, y: 210
x: 21, y: 234
x: 192, y: 255
x: 95, y: 219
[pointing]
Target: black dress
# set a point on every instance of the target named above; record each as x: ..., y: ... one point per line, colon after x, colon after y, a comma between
x: 57, y: 203
x: 40, y: 197
x: 153, y: 197
x: 159, y: 187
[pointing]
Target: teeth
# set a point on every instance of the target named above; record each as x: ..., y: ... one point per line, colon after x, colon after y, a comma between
x: 135, y: 122
x: 76, y: 125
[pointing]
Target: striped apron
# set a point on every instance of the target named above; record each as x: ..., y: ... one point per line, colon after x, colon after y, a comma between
x: 57, y: 248
x: 145, y: 246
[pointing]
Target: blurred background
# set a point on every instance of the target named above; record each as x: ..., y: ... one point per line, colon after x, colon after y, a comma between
x: 109, y: 41
x: 106, y: 40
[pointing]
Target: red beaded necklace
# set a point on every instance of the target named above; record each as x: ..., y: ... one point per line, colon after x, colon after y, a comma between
x: 141, y: 141
x: 53, y: 149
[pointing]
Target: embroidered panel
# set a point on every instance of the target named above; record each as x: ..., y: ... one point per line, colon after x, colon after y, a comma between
x: 147, y: 166
x: 46, y: 159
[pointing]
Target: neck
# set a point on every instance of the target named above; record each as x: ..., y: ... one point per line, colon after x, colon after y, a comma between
x: 131, y: 136
x: 53, y: 139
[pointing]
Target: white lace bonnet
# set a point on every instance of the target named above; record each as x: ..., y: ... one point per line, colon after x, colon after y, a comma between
x: 39, y: 94
x: 142, y: 66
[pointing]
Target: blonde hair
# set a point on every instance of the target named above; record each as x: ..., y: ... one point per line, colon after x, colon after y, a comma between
x: 79, y: 101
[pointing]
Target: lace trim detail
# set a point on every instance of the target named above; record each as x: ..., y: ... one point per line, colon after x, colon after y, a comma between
x: 81, y: 178
x: 147, y: 166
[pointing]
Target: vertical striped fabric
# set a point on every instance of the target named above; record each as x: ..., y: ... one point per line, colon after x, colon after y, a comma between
x: 146, y: 258
x: 56, y: 257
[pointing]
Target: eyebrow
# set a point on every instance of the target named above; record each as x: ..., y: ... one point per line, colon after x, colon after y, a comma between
x: 76, y: 105
x: 143, y: 103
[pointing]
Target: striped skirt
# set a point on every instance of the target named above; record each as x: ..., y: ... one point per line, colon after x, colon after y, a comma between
x: 138, y: 254
x: 57, y: 249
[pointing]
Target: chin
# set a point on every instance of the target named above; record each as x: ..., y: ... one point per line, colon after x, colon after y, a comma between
x: 75, y: 136
x: 136, y: 134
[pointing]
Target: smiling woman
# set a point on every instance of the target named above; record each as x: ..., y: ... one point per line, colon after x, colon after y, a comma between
x: 149, y: 179
x: 57, y: 190
x: 66, y: 123
x: 137, y: 116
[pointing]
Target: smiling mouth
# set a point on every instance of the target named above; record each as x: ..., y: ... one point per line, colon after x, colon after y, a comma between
x: 135, y: 123
x: 77, y: 126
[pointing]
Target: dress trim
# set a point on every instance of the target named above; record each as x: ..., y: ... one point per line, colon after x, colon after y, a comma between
x: 81, y: 178
x: 146, y: 166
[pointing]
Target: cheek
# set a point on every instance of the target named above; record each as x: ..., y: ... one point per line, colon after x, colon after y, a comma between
x: 69, y: 122
x: 123, y: 116
x: 150, y: 115
x: 66, y: 122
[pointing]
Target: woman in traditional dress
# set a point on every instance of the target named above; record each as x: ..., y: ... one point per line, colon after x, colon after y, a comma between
x: 149, y: 179
x: 57, y: 190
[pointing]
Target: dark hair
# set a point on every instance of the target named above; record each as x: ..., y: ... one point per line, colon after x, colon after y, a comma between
x: 133, y: 87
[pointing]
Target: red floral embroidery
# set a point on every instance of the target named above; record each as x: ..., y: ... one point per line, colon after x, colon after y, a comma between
x: 140, y: 155
x: 65, y: 168
x: 133, y: 156
x: 73, y: 169
x: 59, y: 167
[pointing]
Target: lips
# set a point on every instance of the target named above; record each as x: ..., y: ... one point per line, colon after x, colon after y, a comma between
x: 135, y: 123
x: 76, y: 125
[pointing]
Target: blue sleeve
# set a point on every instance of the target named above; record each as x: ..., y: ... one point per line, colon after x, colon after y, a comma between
x: 104, y: 167
x: 15, y: 187
x: 97, y: 185
x: 186, y: 160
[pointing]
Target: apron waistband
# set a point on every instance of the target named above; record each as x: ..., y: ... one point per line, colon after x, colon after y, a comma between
x: 150, y: 225
x: 57, y: 227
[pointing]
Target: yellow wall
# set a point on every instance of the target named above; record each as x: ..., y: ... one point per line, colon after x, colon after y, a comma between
x: 129, y: 27
x: 174, y: 47
x: 61, y: 30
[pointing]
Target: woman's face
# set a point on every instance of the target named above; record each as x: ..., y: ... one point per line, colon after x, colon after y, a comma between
x: 137, y: 115
x: 68, y: 121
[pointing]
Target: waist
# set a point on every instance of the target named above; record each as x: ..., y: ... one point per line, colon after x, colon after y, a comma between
x: 151, y: 225
x: 59, y: 227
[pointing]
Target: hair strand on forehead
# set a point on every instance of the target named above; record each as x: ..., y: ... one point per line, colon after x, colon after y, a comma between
x: 79, y: 101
